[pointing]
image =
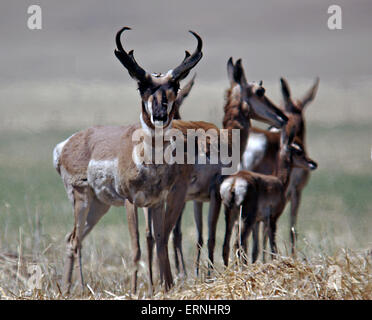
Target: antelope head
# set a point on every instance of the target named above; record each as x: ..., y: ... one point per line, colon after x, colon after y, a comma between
x: 158, y: 91
x: 255, y: 104
x: 293, y: 150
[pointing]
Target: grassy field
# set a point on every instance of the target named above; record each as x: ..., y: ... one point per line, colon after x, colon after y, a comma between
x: 334, y: 226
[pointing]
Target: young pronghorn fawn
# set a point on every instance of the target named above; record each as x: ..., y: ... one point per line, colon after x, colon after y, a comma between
x: 244, y: 101
x: 263, y: 146
x: 261, y: 197
x: 101, y: 166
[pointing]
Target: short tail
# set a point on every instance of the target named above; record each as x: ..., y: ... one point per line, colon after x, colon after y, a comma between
x: 233, y: 191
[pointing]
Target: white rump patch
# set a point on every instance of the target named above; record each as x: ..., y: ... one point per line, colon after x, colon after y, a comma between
x: 57, y: 151
x: 225, y: 190
x: 255, y: 150
x: 240, y: 190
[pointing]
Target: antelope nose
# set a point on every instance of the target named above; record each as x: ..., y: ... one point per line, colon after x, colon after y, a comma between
x: 313, y: 165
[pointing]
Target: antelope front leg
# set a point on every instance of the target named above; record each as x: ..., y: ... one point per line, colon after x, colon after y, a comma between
x: 163, y: 223
x: 150, y: 246
x: 132, y: 219
x: 214, y: 212
x: 198, y: 217
x: 295, y: 204
x: 82, y: 200
x: 177, y: 245
x: 173, y: 215
x: 161, y: 240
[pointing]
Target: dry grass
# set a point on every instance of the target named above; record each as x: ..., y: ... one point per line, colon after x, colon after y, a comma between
x: 287, y: 278
x: 345, y: 275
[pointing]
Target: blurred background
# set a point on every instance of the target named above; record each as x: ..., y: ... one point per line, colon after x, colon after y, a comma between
x: 65, y: 77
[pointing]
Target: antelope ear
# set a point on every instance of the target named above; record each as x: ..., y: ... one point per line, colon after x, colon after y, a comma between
x: 286, y: 92
x: 230, y: 70
x: 239, y: 75
x: 184, y: 92
x: 310, y: 95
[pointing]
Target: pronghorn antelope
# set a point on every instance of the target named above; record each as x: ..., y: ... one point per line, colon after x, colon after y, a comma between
x: 244, y: 101
x: 262, y: 197
x: 98, y: 169
x: 263, y: 146
x: 131, y: 210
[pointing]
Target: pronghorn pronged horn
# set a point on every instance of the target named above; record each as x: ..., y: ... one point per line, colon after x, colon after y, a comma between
x: 128, y: 60
x: 190, y: 61
x: 187, y: 54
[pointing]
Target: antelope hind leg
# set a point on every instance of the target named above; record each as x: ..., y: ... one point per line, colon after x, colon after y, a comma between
x: 82, y: 201
x: 198, y: 217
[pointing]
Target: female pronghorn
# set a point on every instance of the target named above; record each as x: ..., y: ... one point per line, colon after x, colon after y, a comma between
x: 262, y: 197
x: 244, y: 101
x: 263, y: 146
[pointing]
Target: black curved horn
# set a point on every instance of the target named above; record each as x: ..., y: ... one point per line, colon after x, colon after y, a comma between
x: 128, y: 61
x: 189, y: 62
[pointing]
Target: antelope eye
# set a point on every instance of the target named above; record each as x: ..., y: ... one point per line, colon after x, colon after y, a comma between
x: 298, y: 151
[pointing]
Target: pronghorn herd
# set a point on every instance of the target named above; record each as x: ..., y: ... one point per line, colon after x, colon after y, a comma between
x: 103, y: 166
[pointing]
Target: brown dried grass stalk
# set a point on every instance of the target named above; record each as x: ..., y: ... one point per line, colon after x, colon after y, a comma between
x: 282, y: 278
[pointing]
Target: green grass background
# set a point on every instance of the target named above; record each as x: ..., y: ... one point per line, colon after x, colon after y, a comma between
x: 35, y: 214
x: 335, y: 211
